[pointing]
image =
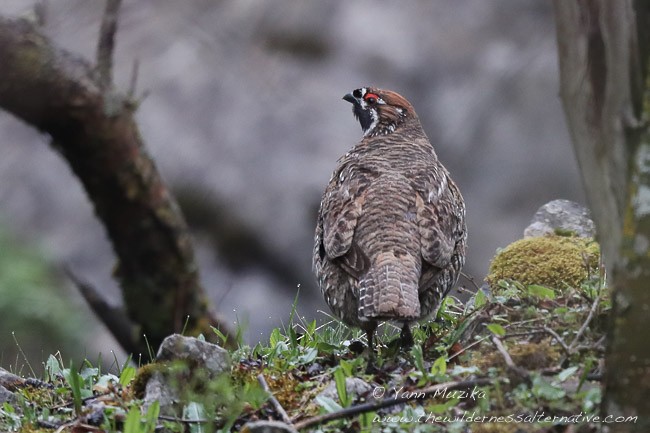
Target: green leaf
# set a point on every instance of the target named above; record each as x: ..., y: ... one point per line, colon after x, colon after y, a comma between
x: 106, y: 379
x: 480, y: 299
x: 132, y: 423
x: 127, y: 375
x: 444, y: 407
x: 341, y: 388
x: 540, y: 292
x: 327, y: 403
x: 418, y: 357
x: 275, y: 338
x: 459, y: 369
x: 74, y: 380
x: 543, y: 389
x: 566, y: 373
x: 496, y: 329
x: 309, y: 355
x: 88, y: 374
x: 347, y: 367
x: 195, y: 411
x: 223, y: 337
x: 439, y: 366
x: 52, y: 368
x: 311, y: 329
x: 293, y: 338
x: 326, y: 347
x: 366, y: 421
x: 151, y: 419
x: 460, y: 329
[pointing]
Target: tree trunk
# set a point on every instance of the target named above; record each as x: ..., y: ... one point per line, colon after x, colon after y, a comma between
x: 603, y: 51
x: 94, y: 129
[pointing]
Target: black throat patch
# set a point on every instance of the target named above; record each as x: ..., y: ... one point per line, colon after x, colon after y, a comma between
x: 365, y: 117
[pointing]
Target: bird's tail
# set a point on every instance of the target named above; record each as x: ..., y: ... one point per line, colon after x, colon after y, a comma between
x: 389, y: 291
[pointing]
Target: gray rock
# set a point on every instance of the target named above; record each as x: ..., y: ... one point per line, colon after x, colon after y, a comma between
x: 160, y: 389
x: 202, y: 354
x: 563, y: 216
x: 267, y: 427
x: 353, y: 385
x: 6, y: 396
x: 164, y: 388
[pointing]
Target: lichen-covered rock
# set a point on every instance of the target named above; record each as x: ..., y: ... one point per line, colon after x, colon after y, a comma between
x: 200, y: 353
x: 551, y: 261
x: 561, y: 217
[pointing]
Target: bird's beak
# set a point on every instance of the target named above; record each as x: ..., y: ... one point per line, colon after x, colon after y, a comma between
x: 350, y: 98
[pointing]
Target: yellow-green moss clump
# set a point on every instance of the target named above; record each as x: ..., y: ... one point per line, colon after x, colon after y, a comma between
x: 551, y: 261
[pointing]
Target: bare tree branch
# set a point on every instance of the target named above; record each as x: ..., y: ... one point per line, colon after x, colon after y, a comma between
x: 114, y: 318
x: 106, y: 44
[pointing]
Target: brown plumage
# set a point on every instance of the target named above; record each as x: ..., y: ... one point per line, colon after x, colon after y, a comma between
x: 390, y: 238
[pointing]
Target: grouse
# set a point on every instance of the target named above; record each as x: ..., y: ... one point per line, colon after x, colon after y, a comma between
x: 391, y: 236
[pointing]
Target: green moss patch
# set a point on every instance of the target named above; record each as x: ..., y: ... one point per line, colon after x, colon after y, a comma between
x: 550, y: 261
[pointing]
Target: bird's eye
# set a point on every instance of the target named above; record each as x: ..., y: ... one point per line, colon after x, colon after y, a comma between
x: 370, y: 98
x: 357, y: 93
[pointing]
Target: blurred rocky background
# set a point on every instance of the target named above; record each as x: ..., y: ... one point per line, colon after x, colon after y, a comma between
x: 243, y: 114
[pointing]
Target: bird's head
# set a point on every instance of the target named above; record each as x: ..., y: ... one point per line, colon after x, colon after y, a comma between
x: 380, y: 112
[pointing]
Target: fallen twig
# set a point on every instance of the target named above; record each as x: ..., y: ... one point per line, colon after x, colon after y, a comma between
x: 391, y: 401
x: 584, y: 326
x: 519, y: 371
x: 504, y: 353
x: 274, y: 401
x: 469, y: 346
x: 523, y: 334
x: 471, y: 280
x: 559, y: 339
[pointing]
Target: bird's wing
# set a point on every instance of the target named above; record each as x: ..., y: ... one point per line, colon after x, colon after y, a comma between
x: 437, y: 216
x: 340, y: 209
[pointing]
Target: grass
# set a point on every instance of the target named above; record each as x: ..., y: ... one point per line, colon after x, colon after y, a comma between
x: 545, y: 362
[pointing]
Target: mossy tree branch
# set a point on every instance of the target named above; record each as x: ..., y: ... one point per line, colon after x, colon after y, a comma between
x: 94, y: 130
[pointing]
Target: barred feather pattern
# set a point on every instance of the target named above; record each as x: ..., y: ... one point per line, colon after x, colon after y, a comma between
x: 390, y: 237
